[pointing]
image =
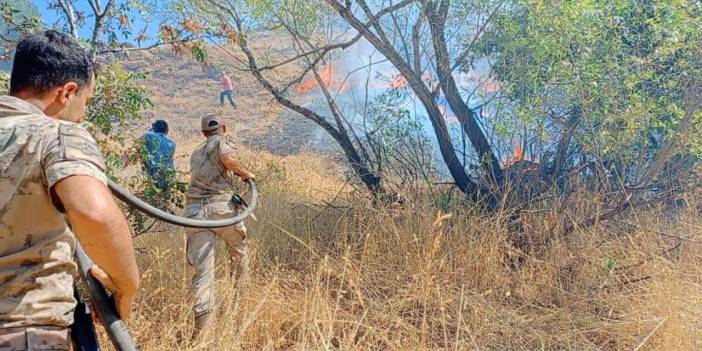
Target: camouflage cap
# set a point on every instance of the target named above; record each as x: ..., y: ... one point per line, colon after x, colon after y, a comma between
x: 211, y: 122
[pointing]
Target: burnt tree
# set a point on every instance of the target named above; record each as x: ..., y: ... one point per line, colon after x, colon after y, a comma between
x: 310, y: 57
x: 374, y: 32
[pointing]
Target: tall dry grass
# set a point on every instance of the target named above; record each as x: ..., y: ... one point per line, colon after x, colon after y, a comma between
x: 355, y: 277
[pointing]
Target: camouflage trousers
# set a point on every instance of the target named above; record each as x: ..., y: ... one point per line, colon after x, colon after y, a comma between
x: 35, y: 339
x: 201, y: 252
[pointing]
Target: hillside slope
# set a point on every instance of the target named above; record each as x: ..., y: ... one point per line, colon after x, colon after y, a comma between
x: 182, y: 92
x: 333, y: 271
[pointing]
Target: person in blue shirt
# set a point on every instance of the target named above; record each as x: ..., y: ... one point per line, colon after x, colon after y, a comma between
x: 158, y: 156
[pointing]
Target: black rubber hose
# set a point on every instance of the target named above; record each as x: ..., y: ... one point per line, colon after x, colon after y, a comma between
x: 154, y: 212
x: 104, y: 305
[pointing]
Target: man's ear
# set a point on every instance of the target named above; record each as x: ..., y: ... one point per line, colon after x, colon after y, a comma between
x: 65, y: 92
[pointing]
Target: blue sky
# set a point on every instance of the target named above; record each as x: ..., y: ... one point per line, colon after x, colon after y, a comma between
x: 54, y: 18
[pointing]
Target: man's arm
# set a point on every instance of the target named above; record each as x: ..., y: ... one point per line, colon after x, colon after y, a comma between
x: 104, y: 233
x: 172, y: 150
x: 230, y: 162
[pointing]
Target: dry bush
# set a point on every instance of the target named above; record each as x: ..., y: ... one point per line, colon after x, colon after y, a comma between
x: 350, y: 276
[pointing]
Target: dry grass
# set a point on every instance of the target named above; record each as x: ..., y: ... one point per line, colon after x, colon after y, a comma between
x: 351, y: 276
x: 355, y: 277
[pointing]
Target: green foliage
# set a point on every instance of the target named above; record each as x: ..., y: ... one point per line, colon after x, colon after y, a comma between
x: 173, y: 200
x: 119, y: 99
x: 445, y: 200
x: 396, y: 142
x: 391, y: 121
x: 307, y: 14
x: 609, y: 265
x: 199, y: 52
x: 17, y: 18
x: 627, y: 65
x: 309, y: 17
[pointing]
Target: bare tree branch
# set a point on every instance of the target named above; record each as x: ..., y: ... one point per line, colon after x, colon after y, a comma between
x: 370, y: 179
x: 322, y: 50
x: 414, y: 80
x: 146, y: 48
x: 67, y: 8
x: 416, y: 29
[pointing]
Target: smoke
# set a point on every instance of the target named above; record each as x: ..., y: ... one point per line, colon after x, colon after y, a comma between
x: 359, y: 74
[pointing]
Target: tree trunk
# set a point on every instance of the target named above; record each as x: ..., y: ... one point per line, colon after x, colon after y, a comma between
x: 559, y: 162
x: 67, y: 8
x: 372, y: 181
x: 464, y: 114
x: 414, y: 80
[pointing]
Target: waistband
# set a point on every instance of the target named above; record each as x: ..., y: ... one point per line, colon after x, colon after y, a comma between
x: 210, y: 199
x: 35, y: 338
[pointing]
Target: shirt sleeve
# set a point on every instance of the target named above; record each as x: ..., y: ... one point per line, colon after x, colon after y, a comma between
x: 73, y: 152
x: 171, y: 153
x: 171, y: 148
x: 226, y: 147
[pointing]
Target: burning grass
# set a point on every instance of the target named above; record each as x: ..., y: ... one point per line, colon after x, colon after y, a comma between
x: 350, y: 276
x: 329, y: 77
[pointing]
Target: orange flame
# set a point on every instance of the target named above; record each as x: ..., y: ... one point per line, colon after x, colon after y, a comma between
x: 306, y: 86
x: 397, y: 81
x: 518, y: 155
x: 490, y: 86
x: 328, y: 76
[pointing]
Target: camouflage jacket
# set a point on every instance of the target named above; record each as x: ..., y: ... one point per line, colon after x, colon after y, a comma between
x: 36, y: 243
x: 209, y: 178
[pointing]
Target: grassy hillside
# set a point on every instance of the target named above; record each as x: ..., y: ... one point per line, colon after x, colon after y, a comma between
x: 332, y: 271
x: 183, y: 92
x: 354, y: 277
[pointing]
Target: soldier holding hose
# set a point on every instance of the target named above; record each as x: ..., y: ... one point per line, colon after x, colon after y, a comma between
x: 52, y: 174
x: 212, y: 166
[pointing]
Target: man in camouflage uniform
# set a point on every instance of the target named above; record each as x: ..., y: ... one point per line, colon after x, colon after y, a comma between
x: 51, y: 172
x: 212, y: 166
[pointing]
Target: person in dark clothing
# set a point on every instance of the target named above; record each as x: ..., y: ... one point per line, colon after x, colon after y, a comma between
x: 159, y: 152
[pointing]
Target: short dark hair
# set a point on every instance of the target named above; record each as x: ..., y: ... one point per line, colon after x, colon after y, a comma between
x: 48, y: 59
x: 160, y: 126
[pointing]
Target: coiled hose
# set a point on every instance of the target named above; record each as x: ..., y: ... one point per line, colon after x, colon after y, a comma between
x: 159, y: 214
